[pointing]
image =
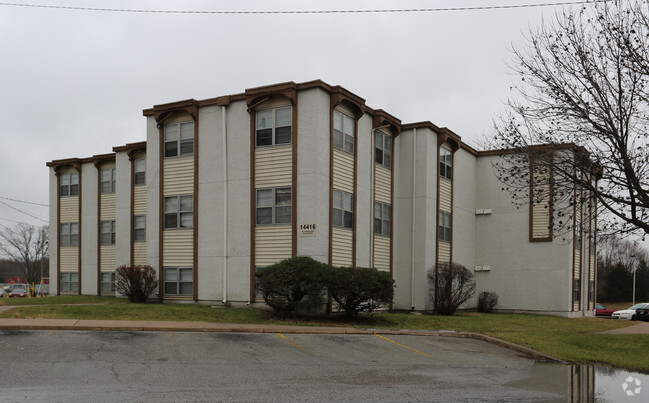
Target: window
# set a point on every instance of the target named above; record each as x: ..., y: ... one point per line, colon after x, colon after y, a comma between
x: 445, y: 163
x: 179, y: 212
x: 179, y: 281
x: 108, y: 232
x: 577, y: 289
x: 274, y: 206
x: 139, y: 171
x: 179, y: 139
x: 107, y: 282
x: 444, y: 226
x: 274, y: 126
x: 577, y: 242
x: 343, y: 209
x: 382, y: 219
x: 344, y: 128
x: 139, y: 228
x: 108, y: 180
x: 69, y: 282
x: 69, y: 234
x: 383, y: 149
x: 70, y: 184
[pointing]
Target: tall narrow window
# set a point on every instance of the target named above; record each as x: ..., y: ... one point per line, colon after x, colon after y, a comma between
x: 69, y: 184
x: 69, y: 282
x: 577, y: 289
x: 179, y: 139
x: 108, y: 180
x: 69, y: 235
x: 343, y: 209
x: 445, y: 163
x: 274, y: 206
x: 383, y: 148
x: 382, y: 218
x: 139, y: 228
x: 274, y: 126
x: 139, y: 171
x: 179, y: 212
x: 107, y: 282
x: 444, y: 226
x: 178, y: 281
x: 108, y: 232
x: 344, y: 129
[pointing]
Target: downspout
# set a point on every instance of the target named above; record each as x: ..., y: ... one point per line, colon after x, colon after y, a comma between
x: 225, y: 205
x: 412, y: 238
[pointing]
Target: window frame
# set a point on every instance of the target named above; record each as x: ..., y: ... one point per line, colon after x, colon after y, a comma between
x: 445, y: 233
x: 344, y: 135
x: 110, y: 233
x: 140, y: 228
x: 66, y: 285
x: 179, y: 141
x: 273, y: 126
x: 382, y: 149
x: 69, y: 184
x: 110, y: 282
x: 344, y: 196
x: 71, y: 234
x: 576, y: 290
x: 274, y: 207
x: 379, y: 222
x: 179, y: 213
x: 139, y: 173
x: 445, y: 163
x: 178, y: 282
x: 112, y: 173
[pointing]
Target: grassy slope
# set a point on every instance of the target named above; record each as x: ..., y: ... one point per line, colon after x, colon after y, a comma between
x: 574, y: 340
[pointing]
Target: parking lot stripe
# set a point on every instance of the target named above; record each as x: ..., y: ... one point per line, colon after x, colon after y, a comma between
x: 292, y: 342
x: 401, y: 345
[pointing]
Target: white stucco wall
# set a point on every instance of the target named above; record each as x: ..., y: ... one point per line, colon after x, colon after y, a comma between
x: 153, y: 193
x: 364, y: 197
x: 88, y: 235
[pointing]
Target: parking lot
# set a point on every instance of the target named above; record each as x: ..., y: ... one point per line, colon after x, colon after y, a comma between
x: 176, y: 366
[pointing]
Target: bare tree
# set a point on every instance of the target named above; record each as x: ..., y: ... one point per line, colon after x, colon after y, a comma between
x: 27, y: 246
x: 583, y: 92
x: 450, y: 285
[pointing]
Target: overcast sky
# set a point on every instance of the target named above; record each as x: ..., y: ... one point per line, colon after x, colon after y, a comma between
x: 73, y: 83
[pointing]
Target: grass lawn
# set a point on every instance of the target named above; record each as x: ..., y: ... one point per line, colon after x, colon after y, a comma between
x: 574, y: 340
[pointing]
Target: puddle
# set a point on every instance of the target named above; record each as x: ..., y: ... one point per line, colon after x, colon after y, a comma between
x: 585, y: 383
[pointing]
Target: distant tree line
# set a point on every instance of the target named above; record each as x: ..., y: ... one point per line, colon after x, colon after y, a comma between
x: 616, y: 260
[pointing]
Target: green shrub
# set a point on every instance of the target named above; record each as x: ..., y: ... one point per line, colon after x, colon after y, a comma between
x: 359, y: 289
x: 292, y: 284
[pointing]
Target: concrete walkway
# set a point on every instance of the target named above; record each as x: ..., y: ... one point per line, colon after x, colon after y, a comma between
x: 640, y: 328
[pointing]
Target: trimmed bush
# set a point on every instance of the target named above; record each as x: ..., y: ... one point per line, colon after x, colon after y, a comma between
x: 451, y: 286
x: 137, y: 283
x: 487, y: 301
x: 292, y: 284
x: 359, y: 289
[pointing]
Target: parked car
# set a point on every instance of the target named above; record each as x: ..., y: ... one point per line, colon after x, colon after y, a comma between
x: 630, y: 313
x: 642, y: 314
x: 601, y: 310
x: 18, y: 292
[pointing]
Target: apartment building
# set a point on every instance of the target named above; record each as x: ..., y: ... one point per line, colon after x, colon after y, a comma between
x: 224, y: 186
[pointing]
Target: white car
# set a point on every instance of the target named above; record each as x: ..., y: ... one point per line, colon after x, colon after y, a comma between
x: 628, y: 314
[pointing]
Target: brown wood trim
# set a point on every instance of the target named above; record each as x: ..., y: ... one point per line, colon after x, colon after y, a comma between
x: 253, y: 200
x: 331, y: 178
x: 99, y: 206
x: 131, y: 159
x: 196, y: 212
x: 355, y: 194
x: 392, y: 226
x: 550, y: 237
x: 594, y: 234
x: 161, y: 211
x: 58, y: 233
x: 294, y: 192
x: 79, y: 266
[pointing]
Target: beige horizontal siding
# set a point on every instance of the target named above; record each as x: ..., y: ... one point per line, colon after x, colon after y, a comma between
x: 178, y: 248
x: 179, y: 175
x: 382, y: 252
x: 272, y: 244
x: 577, y: 263
x: 344, y: 109
x: 383, y: 185
x: 343, y: 171
x: 592, y: 268
x: 139, y: 200
x: 139, y: 253
x: 69, y: 209
x: 444, y: 252
x: 445, y: 195
x: 277, y: 102
x: 341, y: 247
x: 179, y: 117
x: 107, y: 258
x: 107, y: 207
x: 273, y: 166
x: 69, y: 258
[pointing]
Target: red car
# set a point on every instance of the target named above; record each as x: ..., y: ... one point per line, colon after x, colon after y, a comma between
x: 601, y: 310
x: 18, y: 292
